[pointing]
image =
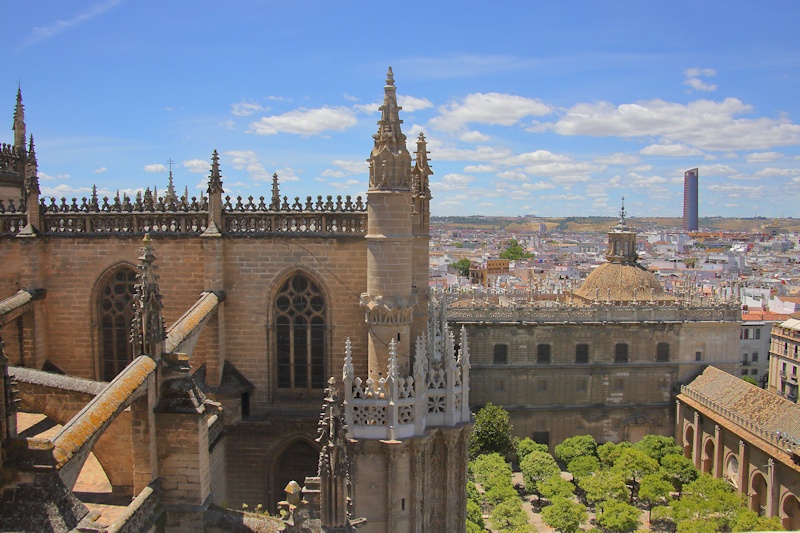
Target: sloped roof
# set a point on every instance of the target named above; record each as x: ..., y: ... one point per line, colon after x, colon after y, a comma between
x: 763, y: 408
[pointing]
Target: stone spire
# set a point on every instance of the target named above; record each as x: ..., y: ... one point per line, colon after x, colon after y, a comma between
x: 148, y: 333
x: 170, y: 195
x: 214, y: 179
x: 275, y: 204
x: 214, y: 199
x: 19, y: 122
x: 389, y: 162
x: 32, y: 171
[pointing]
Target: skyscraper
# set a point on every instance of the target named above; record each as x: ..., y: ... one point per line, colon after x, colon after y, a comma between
x: 690, y: 199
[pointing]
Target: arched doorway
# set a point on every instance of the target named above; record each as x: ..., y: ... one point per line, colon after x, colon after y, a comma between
x: 790, y: 513
x: 758, y: 494
x: 708, y: 457
x: 688, y: 442
x: 297, y: 461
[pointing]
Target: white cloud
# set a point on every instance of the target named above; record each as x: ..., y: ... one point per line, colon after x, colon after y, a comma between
x: 358, y: 166
x: 155, y: 167
x: 286, y: 174
x: 452, y: 182
x: 704, y: 124
x: 535, y: 158
x: 771, y: 172
x: 306, y: 121
x: 693, y: 80
x: 695, y: 72
x: 734, y: 188
x: 763, y: 157
x: 100, y: 170
x: 488, y: 108
x: 479, y: 168
x: 473, y: 137
x: 245, y: 108
x: 248, y: 161
x: 716, y: 170
x: 64, y: 190
x: 618, y: 159
x: 670, y: 150
x: 512, y: 175
x: 347, y: 184
x: 570, y: 179
x: 411, y: 103
x: 42, y: 33
x: 642, y: 168
x: 561, y: 169
x: 699, y: 85
x: 197, y: 166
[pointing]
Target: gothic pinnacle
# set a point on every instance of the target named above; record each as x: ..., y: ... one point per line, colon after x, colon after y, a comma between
x: 19, y: 122
x: 214, y: 179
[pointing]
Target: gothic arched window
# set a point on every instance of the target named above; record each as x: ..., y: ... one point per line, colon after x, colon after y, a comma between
x: 114, y: 316
x: 300, y: 334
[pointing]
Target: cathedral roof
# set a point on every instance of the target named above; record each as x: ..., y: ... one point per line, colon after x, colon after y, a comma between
x: 622, y: 282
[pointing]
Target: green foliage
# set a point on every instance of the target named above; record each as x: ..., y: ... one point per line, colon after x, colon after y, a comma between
x: 486, y: 466
x: 462, y: 265
x: 555, y: 487
x: 657, y: 447
x: 609, y: 452
x: 654, y: 490
x: 750, y: 379
x: 509, y: 516
x: 475, y: 516
x: 472, y: 493
x: 575, y: 447
x: 661, y: 518
x: 538, y: 466
x: 633, y: 465
x: 472, y: 527
x: 583, y: 466
x: 604, y: 485
x: 679, y: 470
x: 564, y: 515
x: 458, y: 244
x: 500, y: 490
x: 748, y: 520
x: 618, y: 517
x: 528, y: 445
x: 515, y: 251
x: 706, y: 500
x: 492, y: 432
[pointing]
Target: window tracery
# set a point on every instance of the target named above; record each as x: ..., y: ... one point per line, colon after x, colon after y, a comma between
x: 115, y: 313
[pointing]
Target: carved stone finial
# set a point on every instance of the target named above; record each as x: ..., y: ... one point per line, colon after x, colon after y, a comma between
x: 32, y: 171
x: 389, y: 161
x: 275, y: 204
x: 215, y: 179
x: 148, y: 331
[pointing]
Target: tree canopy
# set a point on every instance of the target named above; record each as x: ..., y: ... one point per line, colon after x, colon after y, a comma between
x: 492, y: 432
x: 514, y: 251
x: 462, y: 265
x: 564, y: 515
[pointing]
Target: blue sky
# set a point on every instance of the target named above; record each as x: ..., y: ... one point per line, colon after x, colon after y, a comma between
x: 546, y: 108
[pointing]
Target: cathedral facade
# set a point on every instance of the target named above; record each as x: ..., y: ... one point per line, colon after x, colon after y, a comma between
x: 302, y: 289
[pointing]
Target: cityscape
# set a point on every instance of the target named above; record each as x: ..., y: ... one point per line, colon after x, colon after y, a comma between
x: 280, y: 268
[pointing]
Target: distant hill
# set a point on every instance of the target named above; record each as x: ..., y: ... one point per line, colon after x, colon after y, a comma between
x: 602, y: 224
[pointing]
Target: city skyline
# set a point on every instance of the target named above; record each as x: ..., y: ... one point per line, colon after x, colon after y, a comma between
x: 552, y: 110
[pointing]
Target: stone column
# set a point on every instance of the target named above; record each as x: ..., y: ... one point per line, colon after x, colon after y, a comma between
x: 697, y: 452
x: 772, y: 489
x: 143, y: 439
x: 717, y: 466
x: 679, y: 436
x: 744, y: 468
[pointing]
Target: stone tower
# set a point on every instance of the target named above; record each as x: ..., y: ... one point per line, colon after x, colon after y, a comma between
x: 390, y: 298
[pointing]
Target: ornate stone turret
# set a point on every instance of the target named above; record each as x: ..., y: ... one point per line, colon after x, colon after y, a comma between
x: 19, y: 122
x: 275, y: 204
x: 622, y: 241
x: 390, y: 299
